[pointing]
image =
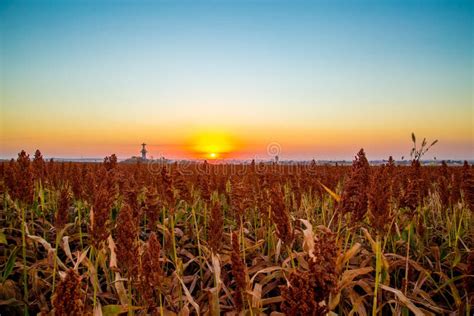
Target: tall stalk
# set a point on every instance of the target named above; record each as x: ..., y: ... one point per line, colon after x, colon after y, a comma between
x: 23, y: 243
x: 55, y: 261
x: 405, y: 287
x: 79, y: 219
x: 378, y: 267
x: 93, y: 260
x: 175, y: 253
x: 201, y: 272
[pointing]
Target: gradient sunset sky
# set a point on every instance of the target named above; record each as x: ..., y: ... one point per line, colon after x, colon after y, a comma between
x: 319, y: 78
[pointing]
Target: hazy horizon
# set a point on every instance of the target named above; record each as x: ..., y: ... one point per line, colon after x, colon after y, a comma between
x: 203, y: 79
x: 264, y: 156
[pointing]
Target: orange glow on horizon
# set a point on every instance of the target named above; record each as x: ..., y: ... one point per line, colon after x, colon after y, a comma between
x: 212, y: 144
x: 216, y: 141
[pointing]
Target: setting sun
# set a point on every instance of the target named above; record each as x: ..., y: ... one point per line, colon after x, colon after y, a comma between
x: 212, y: 144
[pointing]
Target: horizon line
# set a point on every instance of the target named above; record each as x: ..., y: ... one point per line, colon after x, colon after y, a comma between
x: 224, y: 160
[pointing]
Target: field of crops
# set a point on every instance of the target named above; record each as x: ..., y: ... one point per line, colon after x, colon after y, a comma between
x: 255, y: 239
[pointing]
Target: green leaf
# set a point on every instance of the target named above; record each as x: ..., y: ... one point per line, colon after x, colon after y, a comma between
x: 113, y: 310
x: 3, y: 238
x: 457, y: 259
x: 10, y: 264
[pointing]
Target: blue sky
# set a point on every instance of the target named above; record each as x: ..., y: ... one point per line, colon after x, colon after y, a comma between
x: 321, y: 77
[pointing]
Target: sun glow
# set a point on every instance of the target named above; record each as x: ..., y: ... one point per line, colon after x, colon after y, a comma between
x: 212, y: 144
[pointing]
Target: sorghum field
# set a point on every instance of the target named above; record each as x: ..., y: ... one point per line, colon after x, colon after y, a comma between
x: 255, y: 239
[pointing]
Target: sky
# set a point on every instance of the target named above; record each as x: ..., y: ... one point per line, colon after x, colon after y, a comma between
x: 236, y: 79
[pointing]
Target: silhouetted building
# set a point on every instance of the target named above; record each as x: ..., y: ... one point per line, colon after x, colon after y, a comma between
x: 144, y: 151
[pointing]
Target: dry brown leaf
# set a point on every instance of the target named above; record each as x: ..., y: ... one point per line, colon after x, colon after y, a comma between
x: 120, y: 288
x: 265, y: 270
x: 113, y: 255
x: 67, y: 249
x: 184, y: 311
x: 257, y: 296
x: 80, y: 257
x: 278, y: 250
x: 348, y: 255
x: 51, y: 251
x: 357, y: 302
x: 403, y: 299
x: 188, y: 295
x: 308, y: 238
x: 216, y: 269
x: 350, y: 275
x: 271, y: 300
x: 97, y: 309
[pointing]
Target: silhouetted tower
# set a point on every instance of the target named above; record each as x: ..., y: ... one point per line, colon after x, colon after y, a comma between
x: 143, y: 151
